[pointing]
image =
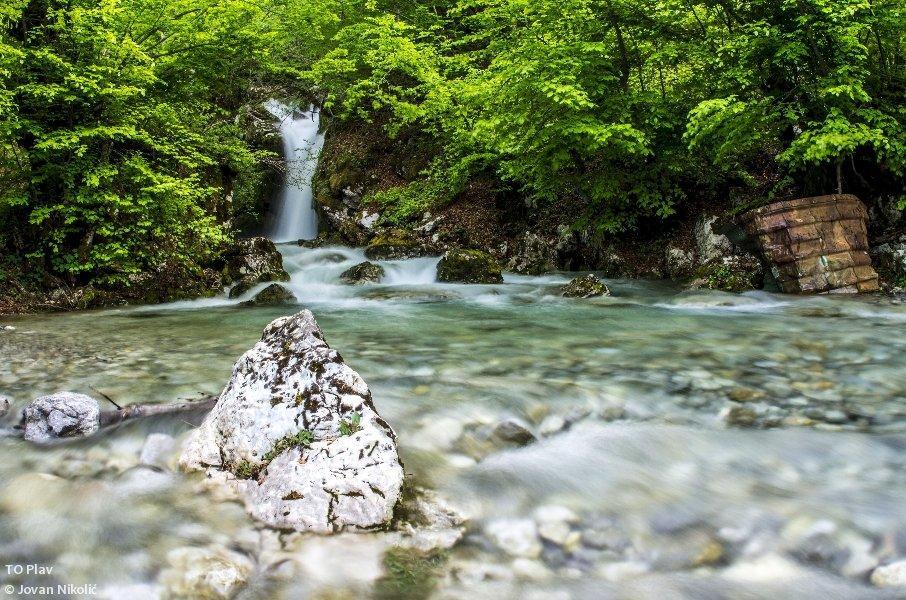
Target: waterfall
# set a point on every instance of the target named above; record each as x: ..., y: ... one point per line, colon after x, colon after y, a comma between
x: 294, y: 214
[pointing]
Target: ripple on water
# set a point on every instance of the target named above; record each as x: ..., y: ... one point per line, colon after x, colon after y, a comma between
x: 646, y: 375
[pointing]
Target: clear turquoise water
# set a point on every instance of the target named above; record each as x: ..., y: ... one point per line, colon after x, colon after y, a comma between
x: 654, y: 365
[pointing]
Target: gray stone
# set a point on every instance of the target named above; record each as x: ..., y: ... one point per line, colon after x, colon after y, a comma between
x: 513, y: 432
x: 711, y: 245
x: 533, y: 255
x: 468, y: 266
x: 552, y: 424
x: 680, y: 263
x: 516, y: 537
x: 366, y: 272
x: 586, y: 286
x: 296, y: 436
x: 273, y: 295
x: 205, y: 573
x: 889, y: 260
x: 892, y: 575
x: 252, y: 261
x: 64, y: 414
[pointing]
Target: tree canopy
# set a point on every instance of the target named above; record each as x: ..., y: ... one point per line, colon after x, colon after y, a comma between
x: 124, y: 124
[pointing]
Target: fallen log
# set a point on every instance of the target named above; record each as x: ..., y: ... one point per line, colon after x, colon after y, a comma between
x: 111, y: 418
x: 135, y: 411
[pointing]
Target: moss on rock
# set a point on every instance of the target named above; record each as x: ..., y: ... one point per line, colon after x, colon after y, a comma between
x: 366, y: 272
x: 469, y: 266
x: 737, y: 273
x: 586, y: 286
x: 409, y: 574
x: 394, y: 244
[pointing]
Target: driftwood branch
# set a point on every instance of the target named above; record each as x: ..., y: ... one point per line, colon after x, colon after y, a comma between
x: 134, y: 411
x: 109, y: 418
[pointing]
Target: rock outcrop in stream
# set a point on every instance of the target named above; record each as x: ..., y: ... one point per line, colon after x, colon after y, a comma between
x: 469, y: 266
x: 296, y: 436
x: 64, y: 414
x: 252, y: 261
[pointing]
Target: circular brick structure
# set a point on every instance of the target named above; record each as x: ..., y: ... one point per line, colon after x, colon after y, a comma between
x: 815, y: 245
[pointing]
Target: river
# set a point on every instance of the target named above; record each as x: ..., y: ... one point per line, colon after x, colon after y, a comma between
x: 796, y: 492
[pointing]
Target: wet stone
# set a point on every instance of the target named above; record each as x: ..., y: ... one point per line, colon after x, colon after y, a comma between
x: 273, y: 295
x: 366, y: 272
x: 587, y: 286
x: 513, y: 432
x: 64, y: 414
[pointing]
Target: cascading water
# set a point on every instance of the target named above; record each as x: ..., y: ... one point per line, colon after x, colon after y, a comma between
x: 295, y: 216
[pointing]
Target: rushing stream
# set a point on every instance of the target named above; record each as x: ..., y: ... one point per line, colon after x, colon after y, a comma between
x: 797, y: 492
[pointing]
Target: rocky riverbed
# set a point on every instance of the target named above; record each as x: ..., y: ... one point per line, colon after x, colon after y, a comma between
x: 651, y: 443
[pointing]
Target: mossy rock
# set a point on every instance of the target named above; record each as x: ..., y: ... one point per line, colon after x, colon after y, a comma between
x: 586, y: 286
x: 366, y: 272
x: 273, y: 295
x: 738, y: 273
x: 469, y: 266
x: 394, y: 244
x: 169, y: 281
x: 255, y: 259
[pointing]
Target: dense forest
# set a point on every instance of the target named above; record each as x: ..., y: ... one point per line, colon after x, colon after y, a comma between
x: 132, y: 132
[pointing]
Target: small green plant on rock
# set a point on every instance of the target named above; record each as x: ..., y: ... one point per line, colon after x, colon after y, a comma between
x: 409, y: 574
x: 245, y: 470
x: 302, y: 438
x: 352, y: 424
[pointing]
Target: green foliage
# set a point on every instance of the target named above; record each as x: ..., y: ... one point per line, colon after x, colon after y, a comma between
x: 808, y: 84
x: 245, y: 470
x: 301, y: 438
x: 626, y: 105
x: 120, y: 126
x: 409, y: 574
x: 125, y: 125
x: 351, y: 424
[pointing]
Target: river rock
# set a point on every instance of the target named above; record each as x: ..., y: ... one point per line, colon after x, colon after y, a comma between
x: 512, y: 432
x: 889, y: 260
x: 468, y: 266
x: 711, y: 246
x: 205, y: 573
x: 516, y: 537
x: 680, y: 263
x: 366, y: 272
x: 892, y: 575
x: 4, y: 406
x: 533, y: 255
x: 64, y: 414
x: 253, y: 260
x: 273, y: 295
x: 733, y: 273
x: 296, y: 436
x: 394, y: 244
x: 586, y: 286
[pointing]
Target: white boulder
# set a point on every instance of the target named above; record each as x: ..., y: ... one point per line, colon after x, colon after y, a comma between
x: 892, y: 575
x: 296, y: 436
x: 64, y: 414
